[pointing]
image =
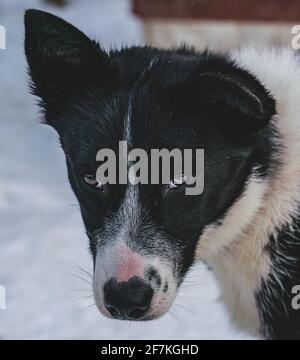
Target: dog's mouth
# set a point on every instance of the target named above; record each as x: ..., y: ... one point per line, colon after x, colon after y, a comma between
x: 128, y: 286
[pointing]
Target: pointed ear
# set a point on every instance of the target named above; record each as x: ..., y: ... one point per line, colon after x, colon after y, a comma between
x: 61, y: 58
x: 237, y: 106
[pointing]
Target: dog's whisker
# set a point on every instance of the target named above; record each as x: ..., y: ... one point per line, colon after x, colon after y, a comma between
x: 170, y: 312
x: 79, y: 268
x: 79, y: 277
x: 183, y: 307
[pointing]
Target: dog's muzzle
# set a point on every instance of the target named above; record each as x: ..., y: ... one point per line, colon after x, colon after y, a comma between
x: 130, y: 286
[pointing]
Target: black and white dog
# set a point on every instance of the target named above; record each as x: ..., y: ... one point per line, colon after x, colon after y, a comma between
x: 243, y: 109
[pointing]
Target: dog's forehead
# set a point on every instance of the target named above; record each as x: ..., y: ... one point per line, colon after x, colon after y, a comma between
x: 138, y: 111
x: 143, y: 124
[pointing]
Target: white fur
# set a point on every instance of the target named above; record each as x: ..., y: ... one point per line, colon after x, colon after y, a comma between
x: 120, y: 253
x: 235, y: 248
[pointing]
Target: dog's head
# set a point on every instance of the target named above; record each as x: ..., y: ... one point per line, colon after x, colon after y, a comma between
x: 144, y: 237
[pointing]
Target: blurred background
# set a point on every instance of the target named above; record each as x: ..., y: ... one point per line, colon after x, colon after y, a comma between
x: 44, y: 258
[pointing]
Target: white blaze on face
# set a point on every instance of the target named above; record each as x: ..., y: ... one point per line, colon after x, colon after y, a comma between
x: 117, y: 258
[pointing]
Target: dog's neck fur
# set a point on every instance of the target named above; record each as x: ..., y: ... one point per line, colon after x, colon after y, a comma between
x: 237, y: 248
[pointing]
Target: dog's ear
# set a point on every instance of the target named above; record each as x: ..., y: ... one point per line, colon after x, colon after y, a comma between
x: 237, y: 106
x: 61, y: 58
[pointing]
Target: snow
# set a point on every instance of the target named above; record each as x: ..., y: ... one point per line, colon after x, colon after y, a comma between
x: 41, y: 233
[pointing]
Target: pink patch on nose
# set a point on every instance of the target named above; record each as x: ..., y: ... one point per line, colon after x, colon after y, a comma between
x: 129, y: 264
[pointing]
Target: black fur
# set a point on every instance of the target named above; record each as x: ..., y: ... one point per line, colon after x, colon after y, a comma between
x: 180, y: 99
x: 274, y: 300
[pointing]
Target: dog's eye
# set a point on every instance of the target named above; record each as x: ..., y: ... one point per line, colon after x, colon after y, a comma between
x: 91, y: 180
x: 176, y: 182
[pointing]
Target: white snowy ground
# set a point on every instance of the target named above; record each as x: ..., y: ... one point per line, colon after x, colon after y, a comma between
x: 41, y: 233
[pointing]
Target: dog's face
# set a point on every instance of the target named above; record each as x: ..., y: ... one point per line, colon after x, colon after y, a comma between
x: 143, y: 237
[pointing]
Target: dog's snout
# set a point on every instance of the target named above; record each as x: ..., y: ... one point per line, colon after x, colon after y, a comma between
x: 127, y: 299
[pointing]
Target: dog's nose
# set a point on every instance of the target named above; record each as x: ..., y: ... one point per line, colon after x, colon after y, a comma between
x: 127, y: 299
